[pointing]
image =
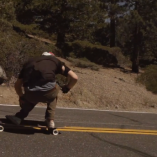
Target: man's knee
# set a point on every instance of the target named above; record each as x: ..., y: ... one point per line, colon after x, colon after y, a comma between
x: 26, y: 105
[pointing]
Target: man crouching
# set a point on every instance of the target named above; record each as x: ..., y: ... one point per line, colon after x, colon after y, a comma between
x: 37, y: 77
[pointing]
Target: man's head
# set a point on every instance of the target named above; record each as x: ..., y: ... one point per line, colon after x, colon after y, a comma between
x: 48, y: 54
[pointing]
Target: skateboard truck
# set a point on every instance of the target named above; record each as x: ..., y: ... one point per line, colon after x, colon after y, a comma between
x: 1, y: 128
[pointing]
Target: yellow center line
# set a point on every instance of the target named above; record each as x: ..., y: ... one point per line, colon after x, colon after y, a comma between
x: 102, y: 130
x: 110, y: 131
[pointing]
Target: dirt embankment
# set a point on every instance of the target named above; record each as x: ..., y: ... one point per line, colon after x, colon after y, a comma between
x: 108, y: 89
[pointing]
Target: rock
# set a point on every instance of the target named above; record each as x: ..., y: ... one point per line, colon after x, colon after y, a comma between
x: 121, y: 79
x: 78, y: 102
x: 116, y: 106
x: 152, y: 105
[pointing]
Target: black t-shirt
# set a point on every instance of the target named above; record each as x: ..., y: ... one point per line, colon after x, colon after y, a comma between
x: 49, y: 65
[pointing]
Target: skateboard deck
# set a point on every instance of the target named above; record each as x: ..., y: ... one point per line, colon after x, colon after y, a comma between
x: 7, y: 125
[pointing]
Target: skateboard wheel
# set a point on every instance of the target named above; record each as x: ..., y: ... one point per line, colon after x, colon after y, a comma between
x: 1, y: 128
x: 55, y: 132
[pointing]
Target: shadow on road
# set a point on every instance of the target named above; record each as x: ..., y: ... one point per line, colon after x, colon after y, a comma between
x: 25, y: 131
x: 26, y: 127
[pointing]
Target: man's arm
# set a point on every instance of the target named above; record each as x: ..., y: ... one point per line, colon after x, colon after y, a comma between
x: 18, y: 87
x: 72, y: 79
x: 71, y: 76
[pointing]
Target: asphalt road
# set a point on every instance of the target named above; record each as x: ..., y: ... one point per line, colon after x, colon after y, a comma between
x: 113, y: 134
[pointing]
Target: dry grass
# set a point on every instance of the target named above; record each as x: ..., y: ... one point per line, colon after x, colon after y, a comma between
x: 83, y: 63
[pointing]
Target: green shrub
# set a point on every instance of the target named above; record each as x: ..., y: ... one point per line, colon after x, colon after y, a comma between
x: 16, y: 49
x: 98, y: 54
x: 149, y: 78
x: 32, y: 29
x: 72, y: 55
x: 83, y: 63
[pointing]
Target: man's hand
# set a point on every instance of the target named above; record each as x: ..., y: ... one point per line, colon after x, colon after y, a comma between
x: 65, y: 89
x: 71, y: 77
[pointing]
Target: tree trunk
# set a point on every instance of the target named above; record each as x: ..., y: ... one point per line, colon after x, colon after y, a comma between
x: 136, y: 42
x: 112, y: 32
x: 135, y: 56
x: 112, y: 25
x: 60, y: 39
x: 61, y: 26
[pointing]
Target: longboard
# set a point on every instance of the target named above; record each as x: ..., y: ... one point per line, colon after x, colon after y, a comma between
x: 4, y: 126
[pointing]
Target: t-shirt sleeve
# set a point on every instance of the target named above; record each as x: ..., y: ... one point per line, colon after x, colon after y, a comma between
x: 59, y: 71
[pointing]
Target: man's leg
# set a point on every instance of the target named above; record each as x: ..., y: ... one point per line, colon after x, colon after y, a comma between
x: 51, y: 106
x: 26, y: 107
x: 50, y: 111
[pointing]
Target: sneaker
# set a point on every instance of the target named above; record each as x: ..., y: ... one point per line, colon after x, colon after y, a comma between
x: 50, y: 123
x: 15, y: 120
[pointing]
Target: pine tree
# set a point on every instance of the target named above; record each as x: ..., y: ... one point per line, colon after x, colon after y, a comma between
x: 115, y: 8
x: 77, y: 19
x: 140, y: 29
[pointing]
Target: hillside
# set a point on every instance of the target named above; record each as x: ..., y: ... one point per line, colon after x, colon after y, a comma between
x: 107, y: 89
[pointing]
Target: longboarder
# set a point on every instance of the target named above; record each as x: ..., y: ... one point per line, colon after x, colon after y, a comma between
x: 37, y: 78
